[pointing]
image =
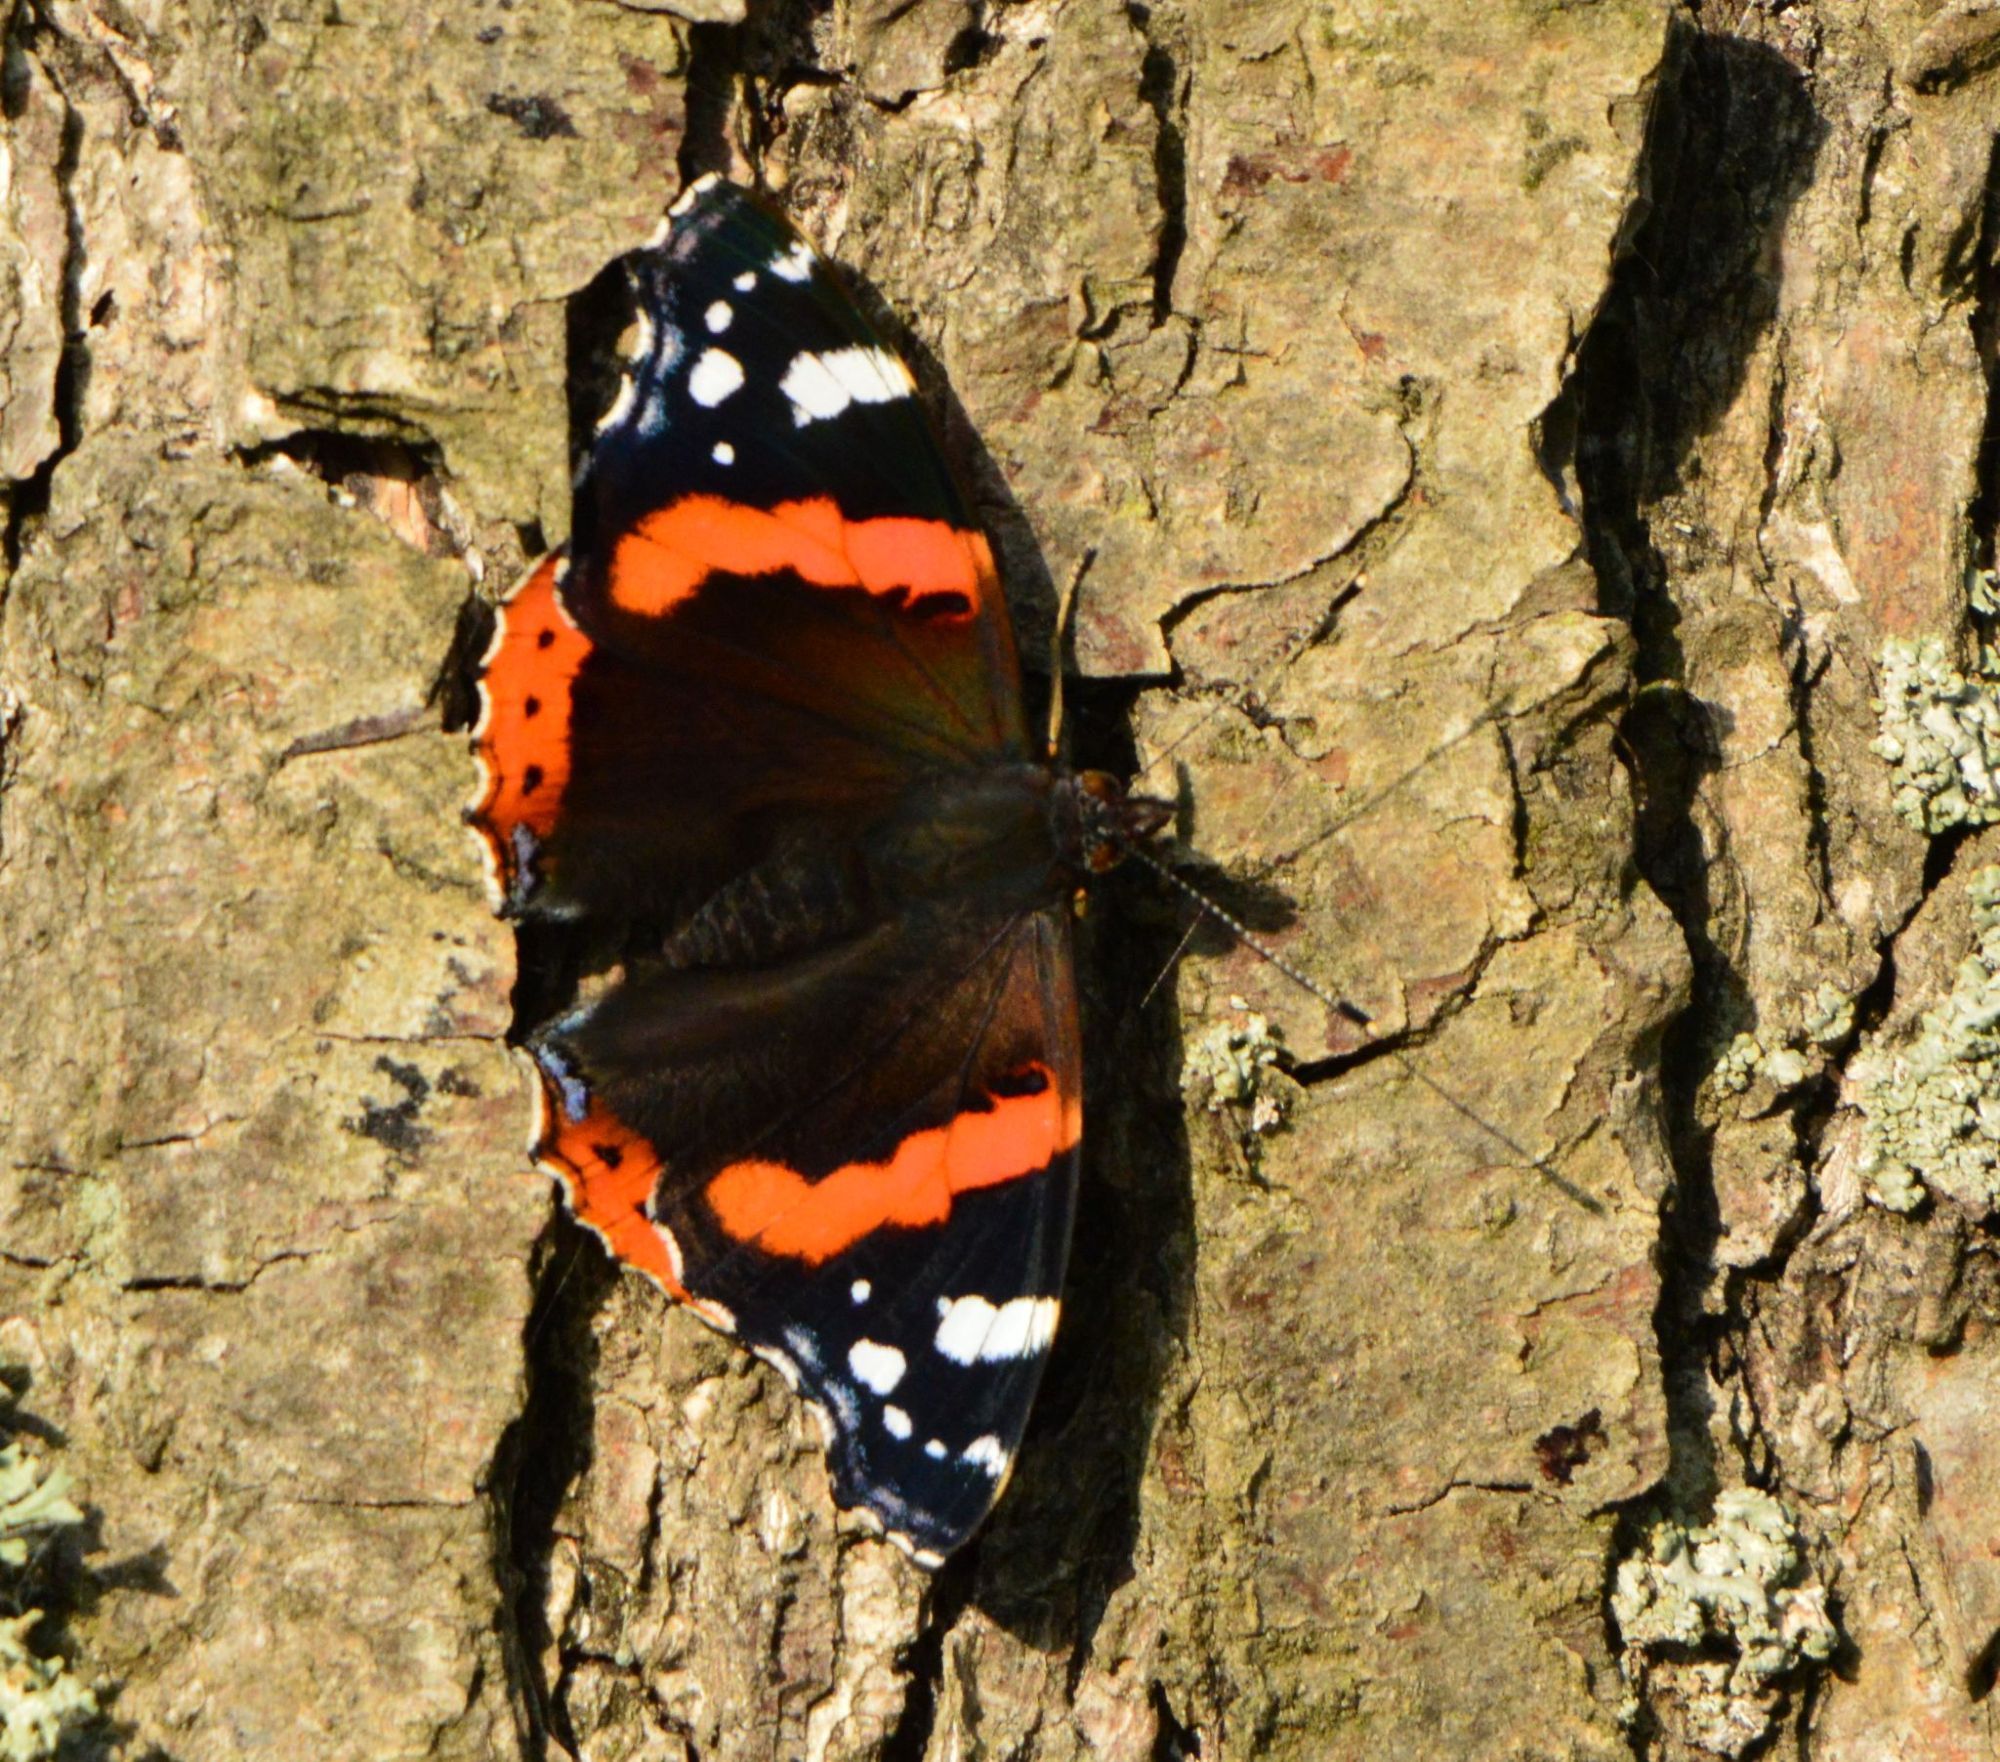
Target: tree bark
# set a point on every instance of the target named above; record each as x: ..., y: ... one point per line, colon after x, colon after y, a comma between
x: 1498, y: 449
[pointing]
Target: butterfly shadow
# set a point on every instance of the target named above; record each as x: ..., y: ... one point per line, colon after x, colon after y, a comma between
x: 1063, y: 1540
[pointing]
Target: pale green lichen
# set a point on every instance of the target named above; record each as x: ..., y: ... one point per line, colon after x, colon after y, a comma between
x: 1941, y: 734
x: 32, y: 1501
x: 1229, y: 1065
x: 1931, y: 1112
x: 40, y: 1700
x: 1746, y: 1058
x: 1825, y: 1019
x: 1737, y: 1067
x: 1715, y: 1616
x: 1828, y: 1016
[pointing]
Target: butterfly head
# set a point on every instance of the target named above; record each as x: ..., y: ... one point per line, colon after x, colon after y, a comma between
x: 1103, y: 823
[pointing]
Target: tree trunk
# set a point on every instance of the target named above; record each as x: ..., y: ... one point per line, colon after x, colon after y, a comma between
x: 1527, y: 472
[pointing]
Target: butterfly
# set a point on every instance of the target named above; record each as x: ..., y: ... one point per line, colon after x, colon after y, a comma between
x: 768, y: 698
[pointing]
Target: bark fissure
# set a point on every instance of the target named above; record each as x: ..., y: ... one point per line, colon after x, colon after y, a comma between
x: 537, y: 1461
x: 1163, y: 86
x: 1985, y: 283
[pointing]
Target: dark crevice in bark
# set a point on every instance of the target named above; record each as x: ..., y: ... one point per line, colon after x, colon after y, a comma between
x: 1164, y: 88
x: 778, y: 49
x: 337, y: 456
x: 1984, y: 1671
x: 1984, y: 513
x: 972, y: 47
x: 29, y: 500
x: 715, y: 64
x: 950, y: 1587
x: 539, y: 1458
x: 1731, y: 143
x: 1176, y: 1742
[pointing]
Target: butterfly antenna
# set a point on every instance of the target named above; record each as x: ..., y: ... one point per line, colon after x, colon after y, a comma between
x: 547, y: 1306
x: 1059, y: 643
x: 1350, y: 1012
x: 1168, y: 965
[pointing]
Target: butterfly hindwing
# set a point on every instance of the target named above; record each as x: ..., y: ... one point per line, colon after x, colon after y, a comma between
x: 883, y: 1210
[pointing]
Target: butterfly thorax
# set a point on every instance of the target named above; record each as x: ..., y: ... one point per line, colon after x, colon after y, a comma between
x: 1008, y: 838
x: 1016, y: 835
x: 986, y: 832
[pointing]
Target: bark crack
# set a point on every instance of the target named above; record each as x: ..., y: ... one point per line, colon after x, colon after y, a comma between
x: 1163, y: 85
x: 1732, y: 140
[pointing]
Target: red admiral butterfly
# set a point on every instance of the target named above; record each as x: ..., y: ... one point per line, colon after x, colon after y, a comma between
x: 770, y: 696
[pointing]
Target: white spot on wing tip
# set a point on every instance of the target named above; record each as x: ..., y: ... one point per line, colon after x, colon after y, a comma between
x: 876, y: 1366
x: 820, y: 386
x: 693, y: 194
x: 717, y: 374
x: 986, y: 1453
x: 794, y: 265
x: 745, y: 282
x: 972, y: 1329
x: 895, y: 1421
x: 861, y: 1290
x: 723, y: 453
x: 935, y: 1450
x: 718, y: 317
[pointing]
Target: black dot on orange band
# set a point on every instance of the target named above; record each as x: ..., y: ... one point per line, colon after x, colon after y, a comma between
x: 1028, y: 1080
x: 533, y: 707
x: 543, y: 638
x: 531, y: 779
x: 609, y: 1155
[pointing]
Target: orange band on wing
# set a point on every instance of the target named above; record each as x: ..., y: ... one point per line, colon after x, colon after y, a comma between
x: 523, y: 736
x: 671, y: 552
x: 782, y: 1212
x: 609, y: 1172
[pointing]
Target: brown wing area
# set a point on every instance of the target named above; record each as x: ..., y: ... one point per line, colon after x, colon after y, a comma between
x: 793, y: 1115
x: 650, y: 732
